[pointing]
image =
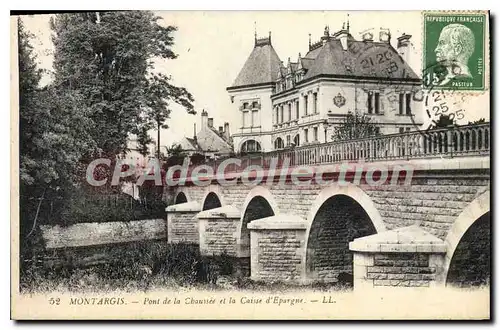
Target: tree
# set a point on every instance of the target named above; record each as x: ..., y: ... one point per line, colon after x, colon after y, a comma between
x: 109, y: 58
x: 143, y: 140
x: 355, y: 126
x: 52, y: 137
x: 175, y: 150
x: 443, y: 121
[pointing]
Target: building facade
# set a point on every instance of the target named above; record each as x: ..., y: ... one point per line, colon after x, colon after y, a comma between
x: 300, y: 103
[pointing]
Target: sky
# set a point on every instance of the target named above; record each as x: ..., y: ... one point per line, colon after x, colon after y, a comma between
x: 212, y: 47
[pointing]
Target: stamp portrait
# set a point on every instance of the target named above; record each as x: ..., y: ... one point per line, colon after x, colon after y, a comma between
x: 454, y: 50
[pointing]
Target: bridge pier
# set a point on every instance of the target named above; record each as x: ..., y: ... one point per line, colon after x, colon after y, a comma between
x: 278, y: 249
x: 404, y: 257
x: 182, y: 223
x: 219, y: 231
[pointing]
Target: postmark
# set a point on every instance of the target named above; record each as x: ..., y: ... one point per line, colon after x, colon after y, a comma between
x: 454, y: 50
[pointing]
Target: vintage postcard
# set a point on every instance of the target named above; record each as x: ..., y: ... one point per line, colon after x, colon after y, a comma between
x: 325, y: 165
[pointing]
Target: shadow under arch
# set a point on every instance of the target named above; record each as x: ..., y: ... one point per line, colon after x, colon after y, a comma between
x: 339, y: 215
x: 180, y: 198
x: 211, y: 201
x: 468, y: 260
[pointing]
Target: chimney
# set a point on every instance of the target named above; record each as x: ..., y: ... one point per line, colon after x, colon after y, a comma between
x: 384, y: 35
x: 204, y: 116
x: 220, y: 130
x: 367, y: 35
x: 194, y: 131
x: 210, y: 122
x: 403, y: 46
x: 226, y: 131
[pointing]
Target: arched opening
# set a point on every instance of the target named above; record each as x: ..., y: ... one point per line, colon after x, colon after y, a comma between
x: 338, y: 221
x: 212, y: 201
x: 180, y: 198
x: 257, y: 208
x: 279, y: 144
x: 471, y: 262
x: 250, y: 146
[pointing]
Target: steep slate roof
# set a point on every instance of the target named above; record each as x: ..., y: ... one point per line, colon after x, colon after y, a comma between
x: 332, y: 59
x: 261, y: 66
x: 210, y: 140
x: 189, y: 144
x: 207, y: 139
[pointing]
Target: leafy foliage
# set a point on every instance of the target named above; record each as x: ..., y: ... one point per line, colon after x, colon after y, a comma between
x: 355, y: 126
x: 110, y: 60
x: 104, y: 90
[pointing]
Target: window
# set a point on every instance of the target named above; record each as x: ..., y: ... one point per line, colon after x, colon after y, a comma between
x: 373, y: 102
x: 370, y: 104
x: 401, y: 130
x: 401, y: 103
x: 306, y: 135
x: 315, y: 133
x: 281, y: 114
x: 288, y: 140
x: 250, y: 146
x: 245, y: 119
x: 408, y: 104
x: 305, y: 105
x: 278, y: 143
x: 289, y: 111
x: 277, y: 115
x: 296, y: 140
x: 255, y: 120
x: 297, y: 113
x: 315, y: 103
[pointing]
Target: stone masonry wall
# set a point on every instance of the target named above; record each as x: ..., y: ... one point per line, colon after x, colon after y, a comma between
x: 401, y: 269
x: 95, y: 233
x: 183, y: 227
x: 219, y: 236
x: 277, y: 255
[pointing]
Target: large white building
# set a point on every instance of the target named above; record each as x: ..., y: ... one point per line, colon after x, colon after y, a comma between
x: 299, y: 103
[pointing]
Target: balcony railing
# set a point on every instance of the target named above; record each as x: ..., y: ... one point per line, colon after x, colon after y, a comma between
x: 446, y: 142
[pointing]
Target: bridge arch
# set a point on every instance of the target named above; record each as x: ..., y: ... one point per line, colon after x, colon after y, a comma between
x: 213, y: 197
x: 211, y: 201
x: 181, y: 197
x: 338, y: 215
x: 467, y: 260
x: 258, y: 204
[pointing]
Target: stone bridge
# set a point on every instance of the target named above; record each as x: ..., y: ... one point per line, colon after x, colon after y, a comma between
x: 409, y: 209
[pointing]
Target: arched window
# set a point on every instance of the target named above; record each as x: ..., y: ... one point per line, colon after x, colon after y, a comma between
x: 296, y: 140
x: 250, y: 146
x: 279, y: 144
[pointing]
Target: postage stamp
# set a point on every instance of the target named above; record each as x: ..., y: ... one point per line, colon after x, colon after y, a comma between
x: 172, y: 165
x: 454, y: 50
